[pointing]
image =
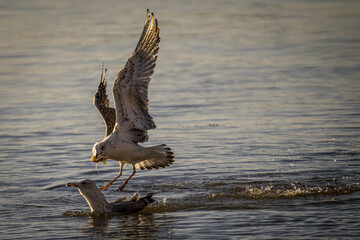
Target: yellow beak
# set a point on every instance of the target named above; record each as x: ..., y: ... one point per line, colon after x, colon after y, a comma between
x: 93, y: 158
x: 98, y: 158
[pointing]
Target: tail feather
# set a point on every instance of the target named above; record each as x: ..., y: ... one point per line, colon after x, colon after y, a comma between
x: 134, y: 205
x: 158, y: 157
x: 148, y: 198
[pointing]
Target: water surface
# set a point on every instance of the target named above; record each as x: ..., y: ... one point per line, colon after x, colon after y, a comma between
x: 260, y: 101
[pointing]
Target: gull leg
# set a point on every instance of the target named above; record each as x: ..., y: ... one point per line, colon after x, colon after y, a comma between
x: 121, y: 188
x: 112, y: 181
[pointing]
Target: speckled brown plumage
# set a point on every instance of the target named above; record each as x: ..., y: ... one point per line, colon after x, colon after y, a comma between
x: 101, y: 102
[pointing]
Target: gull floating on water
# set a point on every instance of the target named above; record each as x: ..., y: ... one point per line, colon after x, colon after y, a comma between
x: 127, y: 125
x: 98, y: 203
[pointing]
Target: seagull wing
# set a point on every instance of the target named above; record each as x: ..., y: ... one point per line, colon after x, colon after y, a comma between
x: 133, y: 205
x: 131, y: 85
x: 101, y: 102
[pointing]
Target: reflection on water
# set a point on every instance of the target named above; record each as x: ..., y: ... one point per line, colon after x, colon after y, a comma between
x: 140, y: 225
x: 131, y: 226
x: 258, y: 100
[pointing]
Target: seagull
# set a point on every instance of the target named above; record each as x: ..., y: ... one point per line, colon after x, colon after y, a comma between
x: 98, y: 203
x: 127, y: 124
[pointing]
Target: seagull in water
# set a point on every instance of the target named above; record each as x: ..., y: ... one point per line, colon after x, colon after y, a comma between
x: 98, y: 203
x: 127, y: 125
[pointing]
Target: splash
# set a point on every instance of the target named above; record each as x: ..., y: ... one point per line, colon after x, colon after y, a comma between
x: 269, y: 190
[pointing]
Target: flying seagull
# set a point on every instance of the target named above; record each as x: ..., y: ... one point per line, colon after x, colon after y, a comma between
x: 98, y: 203
x: 127, y: 125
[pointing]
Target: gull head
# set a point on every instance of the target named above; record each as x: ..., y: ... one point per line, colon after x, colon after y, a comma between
x: 83, y: 185
x: 92, y: 194
x: 99, y: 152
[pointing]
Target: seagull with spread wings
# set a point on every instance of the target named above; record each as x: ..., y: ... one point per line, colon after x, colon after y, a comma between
x: 127, y: 125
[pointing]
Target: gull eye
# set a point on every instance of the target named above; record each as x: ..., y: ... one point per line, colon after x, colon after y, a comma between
x: 102, y: 147
x: 83, y: 183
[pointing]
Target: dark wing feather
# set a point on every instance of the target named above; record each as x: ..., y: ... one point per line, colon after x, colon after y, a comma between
x: 101, y: 102
x: 131, y: 85
x: 132, y: 206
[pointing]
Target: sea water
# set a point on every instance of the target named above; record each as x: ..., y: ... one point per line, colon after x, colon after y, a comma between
x: 259, y: 100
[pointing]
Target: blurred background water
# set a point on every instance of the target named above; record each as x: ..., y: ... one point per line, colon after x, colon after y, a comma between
x: 258, y: 99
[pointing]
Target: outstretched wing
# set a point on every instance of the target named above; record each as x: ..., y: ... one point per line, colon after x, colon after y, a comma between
x: 101, y: 102
x: 131, y: 85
